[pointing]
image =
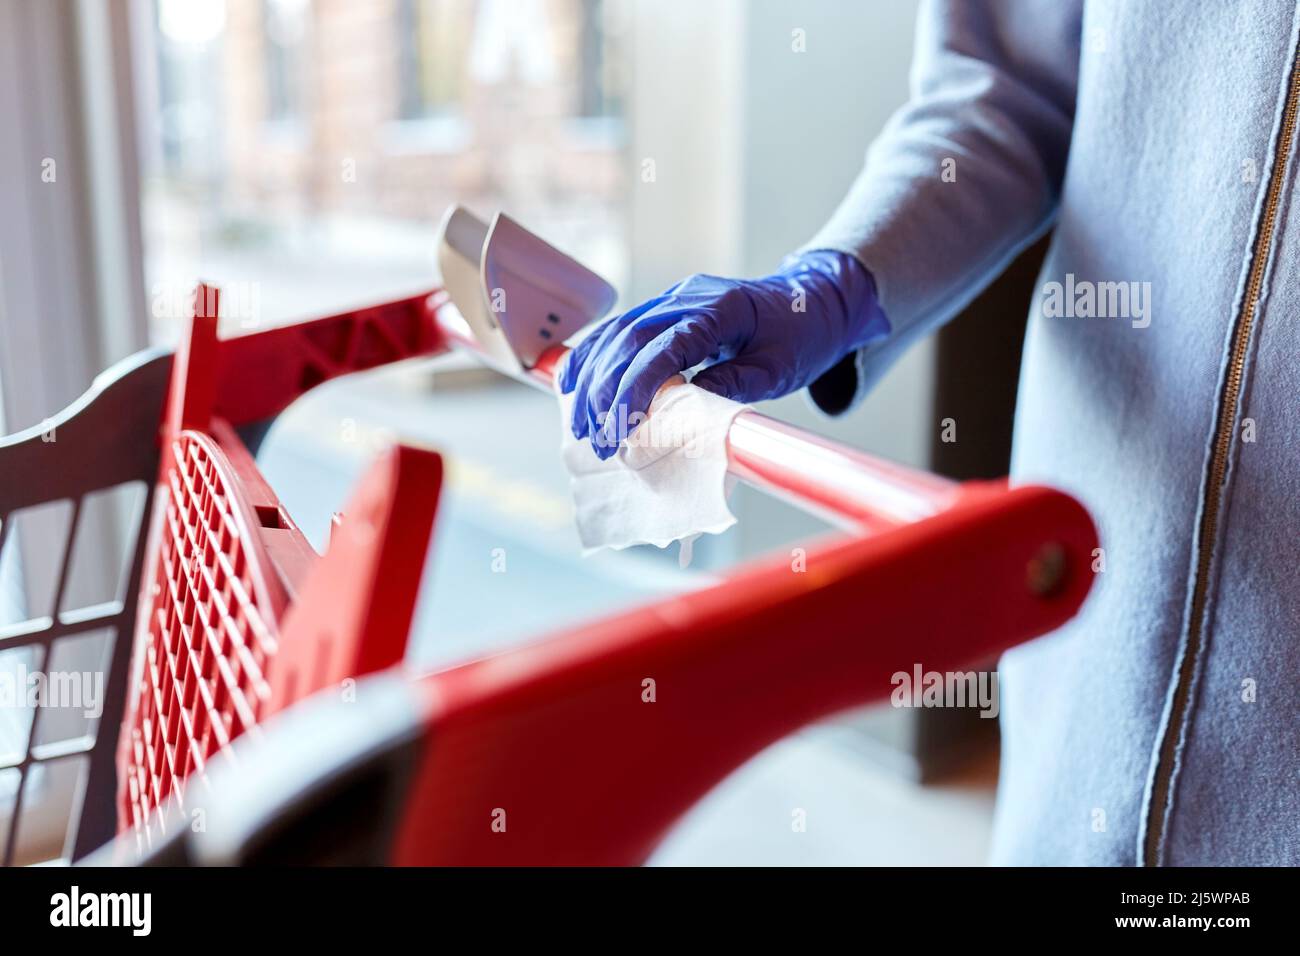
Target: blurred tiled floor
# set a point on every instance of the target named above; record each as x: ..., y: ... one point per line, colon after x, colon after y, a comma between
x: 856, y: 813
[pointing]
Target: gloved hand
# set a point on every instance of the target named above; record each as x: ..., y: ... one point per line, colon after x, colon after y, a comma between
x: 762, y: 338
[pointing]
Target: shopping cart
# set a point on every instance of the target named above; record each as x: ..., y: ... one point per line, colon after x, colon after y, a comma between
x: 580, y: 747
x: 230, y: 613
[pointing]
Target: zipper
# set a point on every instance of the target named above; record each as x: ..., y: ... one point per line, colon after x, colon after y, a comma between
x: 1212, y: 503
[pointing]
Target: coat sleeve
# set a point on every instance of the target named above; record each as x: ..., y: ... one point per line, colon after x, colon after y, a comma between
x: 965, y: 176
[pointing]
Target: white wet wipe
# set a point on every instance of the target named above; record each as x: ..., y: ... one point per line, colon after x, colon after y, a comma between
x: 668, y: 480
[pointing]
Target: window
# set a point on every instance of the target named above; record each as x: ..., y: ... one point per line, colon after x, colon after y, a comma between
x: 391, y: 116
x: 600, y: 89
x: 431, y: 38
x: 285, y: 28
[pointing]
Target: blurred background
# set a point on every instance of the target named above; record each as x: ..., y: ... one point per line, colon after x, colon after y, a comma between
x: 300, y: 153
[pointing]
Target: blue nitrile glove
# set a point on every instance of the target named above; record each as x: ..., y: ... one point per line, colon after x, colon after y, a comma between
x: 761, y: 338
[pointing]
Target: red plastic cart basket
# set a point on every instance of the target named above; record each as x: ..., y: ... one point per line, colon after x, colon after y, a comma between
x: 551, y: 753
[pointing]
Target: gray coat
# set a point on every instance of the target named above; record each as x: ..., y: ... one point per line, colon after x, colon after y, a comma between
x: 1160, y: 385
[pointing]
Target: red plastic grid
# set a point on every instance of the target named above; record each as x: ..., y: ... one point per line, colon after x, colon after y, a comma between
x: 211, y: 631
x: 212, y: 622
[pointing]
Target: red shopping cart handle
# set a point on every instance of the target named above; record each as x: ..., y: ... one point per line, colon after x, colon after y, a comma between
x: 845, y: 486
